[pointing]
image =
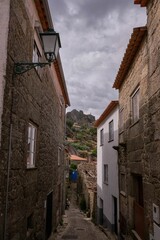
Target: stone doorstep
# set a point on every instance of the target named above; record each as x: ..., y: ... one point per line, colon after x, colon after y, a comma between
x: 135, y: 235
x: 65, y: 219
x: 109, y: 234
x: 60, y: 229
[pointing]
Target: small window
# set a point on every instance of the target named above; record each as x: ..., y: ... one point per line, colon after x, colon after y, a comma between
x: 106, y: 173
x: 135, y: 106
x: 111, y: 131
x: 31, y: 151
x: 101, y: 137
x: 59, y: 156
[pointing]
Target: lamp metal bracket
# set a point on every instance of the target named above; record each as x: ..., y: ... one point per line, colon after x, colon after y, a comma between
x: 20, y: 68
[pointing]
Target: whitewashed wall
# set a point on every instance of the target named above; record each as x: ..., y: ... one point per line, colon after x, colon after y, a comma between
x: 107, y: 155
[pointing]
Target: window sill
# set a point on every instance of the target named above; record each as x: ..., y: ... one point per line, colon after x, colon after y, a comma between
x: 136, y: 236
x: 110, y: 140
x: 31, y: 168
x: 29, y: 233
x: 106, y: 183
x: 123, y: 193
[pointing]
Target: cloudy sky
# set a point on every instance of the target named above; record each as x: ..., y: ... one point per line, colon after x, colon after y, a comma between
x: 94, y: 35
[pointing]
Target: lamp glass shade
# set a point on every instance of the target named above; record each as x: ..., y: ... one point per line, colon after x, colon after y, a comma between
x: 51, y: 44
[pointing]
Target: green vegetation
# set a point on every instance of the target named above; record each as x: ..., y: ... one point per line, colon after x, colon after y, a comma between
x: 94, y: 152
x: 79, y: 146
x: 82, y: 137
x: 69, y: 123
x: 73, y: 166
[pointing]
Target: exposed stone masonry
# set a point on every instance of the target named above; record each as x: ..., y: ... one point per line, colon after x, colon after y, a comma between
x: 140, y: 142
x: 29, y: 97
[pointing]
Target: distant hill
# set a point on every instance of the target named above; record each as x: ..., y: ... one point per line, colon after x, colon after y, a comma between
x: 81, y: 134
x: 80, y: 118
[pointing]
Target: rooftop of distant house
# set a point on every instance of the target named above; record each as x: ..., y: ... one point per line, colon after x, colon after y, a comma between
x: 77, y: 158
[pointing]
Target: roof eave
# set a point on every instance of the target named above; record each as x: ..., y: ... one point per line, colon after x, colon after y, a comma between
x: 106, y: 112
x: 44, y: 14
x: 143, y: 3
x: 131, y: 51
x: 62, y: 82
x: 46, y: 22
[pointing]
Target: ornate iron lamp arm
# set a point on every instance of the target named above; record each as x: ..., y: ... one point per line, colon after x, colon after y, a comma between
x: 20, y: 68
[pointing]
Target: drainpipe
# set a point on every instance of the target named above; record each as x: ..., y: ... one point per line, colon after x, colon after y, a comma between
x: 9, y: 159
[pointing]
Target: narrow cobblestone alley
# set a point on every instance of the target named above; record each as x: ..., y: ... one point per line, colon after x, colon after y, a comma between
x: 76, y: 225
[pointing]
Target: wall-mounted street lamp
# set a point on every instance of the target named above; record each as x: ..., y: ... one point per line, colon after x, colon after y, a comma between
x: 51, y: 44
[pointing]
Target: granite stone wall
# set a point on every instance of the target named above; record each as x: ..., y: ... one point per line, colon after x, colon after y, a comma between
x: 131, y: 139
x: 30, y: 97
x: 140, y: 143
x: 152, y: 141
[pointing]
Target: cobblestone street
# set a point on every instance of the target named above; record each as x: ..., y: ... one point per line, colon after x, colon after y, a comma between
x: 77, y: 226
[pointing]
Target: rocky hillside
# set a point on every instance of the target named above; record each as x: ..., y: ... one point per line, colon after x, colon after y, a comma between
x: 80, y: 118
x: 81, y: 133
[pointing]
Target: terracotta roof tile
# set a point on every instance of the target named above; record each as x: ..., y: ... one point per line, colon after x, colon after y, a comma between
x: 132, y: 48
x: 143, y: 3
x: 106, y: 112
x: 42, y: 14
x: 77, y: 158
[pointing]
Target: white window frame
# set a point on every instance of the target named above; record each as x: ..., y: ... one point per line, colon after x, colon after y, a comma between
x: 135, y: 106
x: 111, y: 130
x: 102, y: 137
x: 105, y: 173
x: 31, y: 149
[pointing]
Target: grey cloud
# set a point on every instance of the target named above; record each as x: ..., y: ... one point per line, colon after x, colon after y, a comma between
x: 94, y: 35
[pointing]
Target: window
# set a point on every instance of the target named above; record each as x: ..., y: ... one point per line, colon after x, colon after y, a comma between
x: 36, y: 54
x: 31, y: 151
x: 111, y: 131
x: 122, y: 183
x: 121, y: 120
x: 101, y: 137
x: 135, y: 106
x: 106, y: 173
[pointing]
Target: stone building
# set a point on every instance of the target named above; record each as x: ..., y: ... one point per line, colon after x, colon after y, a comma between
x: 32, y: 124
x: 87, y: 188
x: 139, y: 130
